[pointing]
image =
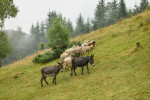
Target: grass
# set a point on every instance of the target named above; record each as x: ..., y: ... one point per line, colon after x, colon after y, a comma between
x: 120, y: 71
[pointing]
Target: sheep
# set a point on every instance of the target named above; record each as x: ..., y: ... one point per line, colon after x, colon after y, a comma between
x: 78, y: 50
x: 63, y: 56
x: 92, y: 43
x: 87, y: 49
x: 68, y: 62
x: 70, y: 51
x: 85, y: 43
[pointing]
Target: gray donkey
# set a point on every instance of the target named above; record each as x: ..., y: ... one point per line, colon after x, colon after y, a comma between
x: 51, y: 71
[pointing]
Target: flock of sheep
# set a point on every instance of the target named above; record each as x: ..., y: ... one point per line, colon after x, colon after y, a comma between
x: 81, y: 49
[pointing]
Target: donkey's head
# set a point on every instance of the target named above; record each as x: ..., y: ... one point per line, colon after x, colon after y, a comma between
x: 91, y: 60
x: 60, y: 65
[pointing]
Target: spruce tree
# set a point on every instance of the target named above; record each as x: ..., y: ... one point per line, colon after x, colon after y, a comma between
x: 136, y: 9
x: 80, y: 26
x: 143, y: 5
x: 70, y: 27
x: 49, y: 20
x: 58, y: 35
x: 122, y: 9
x: 114, y: 14
x: 100, y: 12
x: 88, y: 25
x: 42, y: 32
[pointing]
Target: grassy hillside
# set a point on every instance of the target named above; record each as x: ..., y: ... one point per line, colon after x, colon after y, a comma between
x: 121, y: 71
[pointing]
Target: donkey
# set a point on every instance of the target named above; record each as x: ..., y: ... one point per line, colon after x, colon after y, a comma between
x: 51, y: 71
x: 81, y: 62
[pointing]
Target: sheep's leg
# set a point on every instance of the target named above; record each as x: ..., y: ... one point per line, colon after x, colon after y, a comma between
x: 82, y: 70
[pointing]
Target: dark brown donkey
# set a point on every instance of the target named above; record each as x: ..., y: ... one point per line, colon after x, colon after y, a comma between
x: 51, y: 71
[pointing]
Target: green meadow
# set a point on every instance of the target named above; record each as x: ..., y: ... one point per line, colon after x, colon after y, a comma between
x: 121, y: 71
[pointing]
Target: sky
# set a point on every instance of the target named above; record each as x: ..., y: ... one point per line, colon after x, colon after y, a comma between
x: 31, y: 11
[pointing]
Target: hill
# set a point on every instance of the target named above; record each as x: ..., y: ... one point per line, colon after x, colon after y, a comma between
x: 121, y: 71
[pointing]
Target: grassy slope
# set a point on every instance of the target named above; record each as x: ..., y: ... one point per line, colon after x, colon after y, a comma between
x: 121, y: 72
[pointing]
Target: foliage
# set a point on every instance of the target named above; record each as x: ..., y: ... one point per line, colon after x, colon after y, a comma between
x: 99, y: 15
x: 58, y: 35
x: 80, y: 26
x: 122, y: 9
x: 4, y: 46
x: 143, y: 5
x: 43, y: 58
x: 49, y: 20
x: 42, y: 46
x: 88, y: 25
x: 70, y: 27
x: 7, y: 10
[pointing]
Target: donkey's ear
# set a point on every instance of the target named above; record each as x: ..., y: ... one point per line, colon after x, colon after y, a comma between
x: 58, y: 62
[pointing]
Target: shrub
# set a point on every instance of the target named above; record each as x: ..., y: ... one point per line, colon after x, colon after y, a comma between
x: 46, y: 57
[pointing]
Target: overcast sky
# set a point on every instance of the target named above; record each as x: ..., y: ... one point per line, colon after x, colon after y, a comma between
x: 31, y: 11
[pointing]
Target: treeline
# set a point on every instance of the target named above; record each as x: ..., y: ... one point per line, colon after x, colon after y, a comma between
x: 107, y: 14
x: 104, y: 15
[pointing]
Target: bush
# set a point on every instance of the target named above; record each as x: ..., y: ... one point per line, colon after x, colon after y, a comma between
x: 46, y: 57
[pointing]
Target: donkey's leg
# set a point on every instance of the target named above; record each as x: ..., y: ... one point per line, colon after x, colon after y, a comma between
x: 82, y: 70
x: 55, y: 79
x: 75, y: 71
x: 45, y: 80
x: 87, y: 68
x: 41, y: 82
x: 71, y: 71
x: 43, y: 76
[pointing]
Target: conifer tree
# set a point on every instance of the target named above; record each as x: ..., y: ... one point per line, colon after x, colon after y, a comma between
x: 100, y: 12
x: 58, y: 35
x: 122, y: 9
x: 42, y: 32
x: 70, y: 27
x: 49, y: 20
x: 143, y: 5
x: 88, y: 25
x: 80, y: 26
x: 136, y: 9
